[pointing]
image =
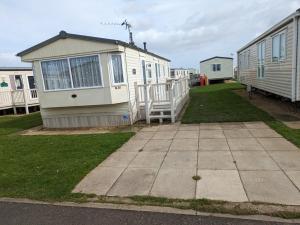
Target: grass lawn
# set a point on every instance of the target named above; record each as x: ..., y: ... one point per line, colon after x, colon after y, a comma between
x: 48, y: 167
x: 218, y: 103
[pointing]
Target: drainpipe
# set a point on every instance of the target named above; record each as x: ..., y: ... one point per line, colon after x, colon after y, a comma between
x: 295, y: 78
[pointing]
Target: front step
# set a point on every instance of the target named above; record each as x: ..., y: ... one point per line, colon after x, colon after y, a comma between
x: 160, y: 110
x: 160, y: 116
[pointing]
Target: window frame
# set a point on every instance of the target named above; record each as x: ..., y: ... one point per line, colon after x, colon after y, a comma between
x: 285, y: 46
x: 70, y: 72
x: 113, y: 83
x: 21, y: 80
x: 261, y: 62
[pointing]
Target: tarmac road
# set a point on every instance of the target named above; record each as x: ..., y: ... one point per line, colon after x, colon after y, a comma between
x: 44, y: 214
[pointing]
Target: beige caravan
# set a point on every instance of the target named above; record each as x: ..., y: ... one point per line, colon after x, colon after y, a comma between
x: 85, y: 81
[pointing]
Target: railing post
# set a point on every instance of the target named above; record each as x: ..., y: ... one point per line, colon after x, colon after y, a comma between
x: 172, y: 102
x: 25, y: 101
x: 137, y: 98
x: 147, y: 110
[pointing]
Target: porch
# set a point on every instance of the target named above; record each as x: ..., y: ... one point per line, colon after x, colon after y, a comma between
x: 159, y: 101
x: 18, y: 98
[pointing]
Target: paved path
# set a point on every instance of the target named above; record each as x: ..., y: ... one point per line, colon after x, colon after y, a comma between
x: 36, y: 214
x: 236, y: 162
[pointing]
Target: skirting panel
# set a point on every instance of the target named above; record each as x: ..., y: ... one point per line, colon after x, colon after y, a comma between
x: 89, y: 120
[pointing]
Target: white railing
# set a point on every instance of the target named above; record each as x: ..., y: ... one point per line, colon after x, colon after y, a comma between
x: 170, y: 94
x: 18, y: 97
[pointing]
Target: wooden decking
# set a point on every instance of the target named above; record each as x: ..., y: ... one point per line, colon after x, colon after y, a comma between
x: 18, y: 98
x: 161, y: 101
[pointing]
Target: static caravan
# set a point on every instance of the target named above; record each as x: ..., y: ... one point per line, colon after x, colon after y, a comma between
x: 17, y: 89
x: 85, y: 81
x: 180, y: 73
x: 217, y: 69
x: 271, y: 61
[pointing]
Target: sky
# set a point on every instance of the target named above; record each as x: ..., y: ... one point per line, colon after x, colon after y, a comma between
x: 185, y: 31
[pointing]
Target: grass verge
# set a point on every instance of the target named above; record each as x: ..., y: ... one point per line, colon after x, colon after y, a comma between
x: 209, y: 206
x: 48, y: 167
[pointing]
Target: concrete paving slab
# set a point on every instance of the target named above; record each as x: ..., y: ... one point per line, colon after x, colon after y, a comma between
x: 236, y: 144
x: 183, y: 134
x: 148, y: 160
x: 164, y: 135
x: 233, y: 125
x: 287, y: 160
x: 168, y: 127
x: 270, y: 186
x: 134, y: 181
x: 220, y: 185
x: 268, y: 133
x: 276, y: 144
x: 189, y: 127
x: 149, y: 128
x: 143, y: 135
x: 212, y: 134
x: 213, y: 144
x: 237, y: 133
x: 210, y: 126
x: 157, y: 146
x: 256, y: 125
x: 184, y: 145
x: 119, y: 159
x: 99, y: 180
x: 215, y: 160
x: 133, y: 145
x: 183, y: 160
x: 295, y: 177
x: 254, y: 160
x: 175, y: 183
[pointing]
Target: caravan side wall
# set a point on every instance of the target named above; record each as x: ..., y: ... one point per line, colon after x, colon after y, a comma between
x: 278, y: 75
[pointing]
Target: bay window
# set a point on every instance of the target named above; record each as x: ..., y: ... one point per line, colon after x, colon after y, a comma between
x: 117, y: 69
x: 279, y: 47
x: 72, y: 73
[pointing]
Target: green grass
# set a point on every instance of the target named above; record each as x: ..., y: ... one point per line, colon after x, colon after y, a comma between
x: 218, y: 103
x: 12, y: 124
x: 48, y: 167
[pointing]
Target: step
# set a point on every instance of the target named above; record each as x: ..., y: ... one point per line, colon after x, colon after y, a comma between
x: 160, y: 110
x: 159, y: 116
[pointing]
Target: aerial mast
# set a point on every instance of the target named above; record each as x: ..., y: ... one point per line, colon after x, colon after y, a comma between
x: 127, y: 25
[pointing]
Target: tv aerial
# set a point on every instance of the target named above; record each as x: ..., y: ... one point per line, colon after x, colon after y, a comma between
x: 127, y: 26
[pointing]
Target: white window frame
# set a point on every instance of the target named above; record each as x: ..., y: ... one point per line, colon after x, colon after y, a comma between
x: 260, y: 62
x: 114, y: 84
x: 285, y: 46
x: 71, y: 79
x: 22, y: 82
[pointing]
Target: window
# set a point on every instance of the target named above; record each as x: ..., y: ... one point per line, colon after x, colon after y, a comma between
x: 85, y: 71
x: 261, y: 48
x: 117, y: 69
x: 77, y: 72
x: 279, y: 47
x: 19, y: 82
x: 244, y: 60
x: 216, y: 67
x: 157, y: 69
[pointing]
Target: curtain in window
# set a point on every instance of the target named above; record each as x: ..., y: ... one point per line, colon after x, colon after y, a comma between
x: 276, y: 48
x: 117, y: 68
x: 56, y: 74
x: 85, y: 71
x: 282, y: 46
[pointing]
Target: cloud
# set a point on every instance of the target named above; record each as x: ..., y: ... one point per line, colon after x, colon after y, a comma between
x: 184, y: 31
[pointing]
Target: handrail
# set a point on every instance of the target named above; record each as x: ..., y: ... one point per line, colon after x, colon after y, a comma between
x: 170, y: 93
